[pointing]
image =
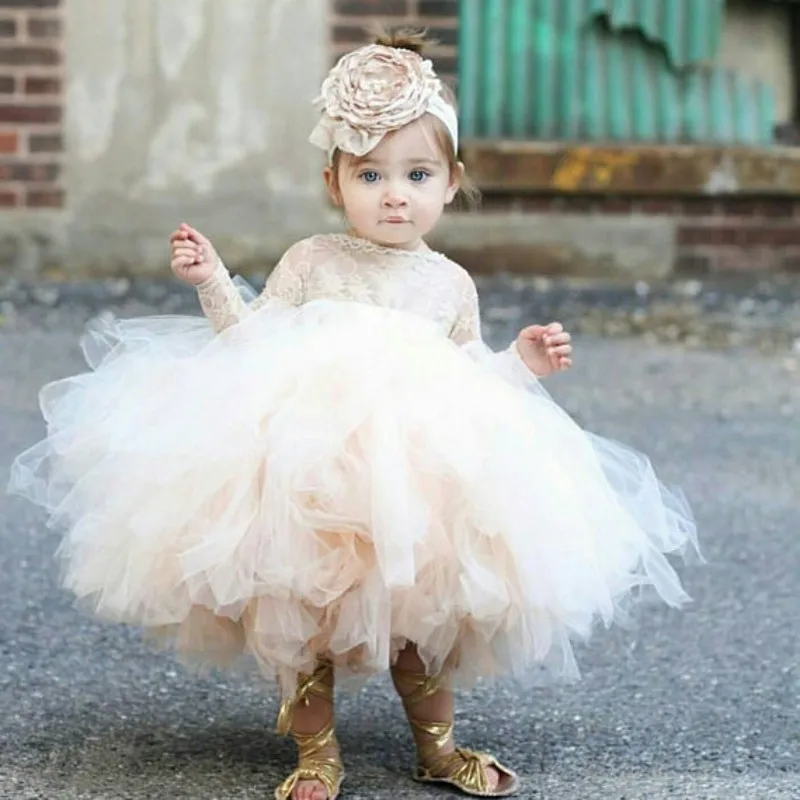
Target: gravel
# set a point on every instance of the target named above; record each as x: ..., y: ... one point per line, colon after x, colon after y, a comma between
x: 714, y: 312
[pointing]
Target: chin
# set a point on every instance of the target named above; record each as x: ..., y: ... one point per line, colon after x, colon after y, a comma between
x: 395, y: 234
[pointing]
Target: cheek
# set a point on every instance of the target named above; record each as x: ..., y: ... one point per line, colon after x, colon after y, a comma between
x: 357, y: 200
x: 436, y: 193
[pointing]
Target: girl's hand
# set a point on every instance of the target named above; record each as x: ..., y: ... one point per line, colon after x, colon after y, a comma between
x: 545, y: 349
x: 193, y: 256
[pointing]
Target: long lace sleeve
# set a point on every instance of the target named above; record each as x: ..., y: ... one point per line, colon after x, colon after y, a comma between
x: 466, y: 332
x: 223, y: 304
x: 467, y: 327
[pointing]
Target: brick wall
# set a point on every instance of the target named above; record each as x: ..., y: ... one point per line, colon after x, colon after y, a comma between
x: 439, y: 17
x: 31, y: 106
x: 714, y: 235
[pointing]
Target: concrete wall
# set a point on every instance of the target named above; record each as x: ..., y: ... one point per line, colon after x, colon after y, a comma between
x: 194, y: 110
x: 756, y: 41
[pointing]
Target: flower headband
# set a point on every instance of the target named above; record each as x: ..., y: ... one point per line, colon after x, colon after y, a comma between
x: 375, y: 90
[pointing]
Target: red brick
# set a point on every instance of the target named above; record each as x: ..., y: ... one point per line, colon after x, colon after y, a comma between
x: 44, y: 198
x: 739, y: 259
x: 579, y: 204
x: 694, y: 262
x: 769, y: 236
x: 789, y: 261
x: 778, y: 207
x: 699, y: 207
x: 30, y: 3
x: 656, y: 206
x: 494, y: 202
x: 35, y: 84
x: 614, y: 205
x: 45, y: 143
x: 9, y: 142
x: 28, y: 172
x: 29, y: 56
x: 438, y: 8
x: 30, y: 125
x: 535, y: 205
x: 371, y: 8
x: 740, y: 207
x: 690, y: 235
x: 350, y: 34
x: 729, y: 235
x: 39, y: 115
x: 44, y: 28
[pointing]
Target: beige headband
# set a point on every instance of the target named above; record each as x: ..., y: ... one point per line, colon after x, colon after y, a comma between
x: 375, y: 90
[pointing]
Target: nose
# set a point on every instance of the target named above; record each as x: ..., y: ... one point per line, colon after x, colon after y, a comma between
x: 393, y: 197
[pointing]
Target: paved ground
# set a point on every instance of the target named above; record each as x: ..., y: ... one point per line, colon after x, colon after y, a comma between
x: 702, y: 704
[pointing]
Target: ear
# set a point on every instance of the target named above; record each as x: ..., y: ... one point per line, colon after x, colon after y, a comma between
x: 332, y: 186
x: 456, y: 176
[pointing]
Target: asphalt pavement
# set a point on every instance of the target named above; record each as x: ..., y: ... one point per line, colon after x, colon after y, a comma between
x: 698, y: 704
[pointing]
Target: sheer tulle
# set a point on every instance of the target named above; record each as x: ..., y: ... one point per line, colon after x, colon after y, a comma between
x: 341, y: 478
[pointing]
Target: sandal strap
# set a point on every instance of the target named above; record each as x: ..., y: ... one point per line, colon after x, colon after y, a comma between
x: 312, y: 765
x: 436, y: 735
x: 424, y: 686
x: 315, y: 683
x: 464, y: 769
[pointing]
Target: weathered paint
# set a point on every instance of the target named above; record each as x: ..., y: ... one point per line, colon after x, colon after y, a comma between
x: 582, y: 166
x: 640, y: 170
x: 612, y: 70
x: 198, y: 111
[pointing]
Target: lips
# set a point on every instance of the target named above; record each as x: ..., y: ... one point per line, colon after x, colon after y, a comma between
x: 395, y: 220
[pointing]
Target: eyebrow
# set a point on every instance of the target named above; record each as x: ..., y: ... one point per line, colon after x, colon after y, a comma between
x: 378, y: 163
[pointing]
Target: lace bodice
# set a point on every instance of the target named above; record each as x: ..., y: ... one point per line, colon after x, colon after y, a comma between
x: 344, y: 267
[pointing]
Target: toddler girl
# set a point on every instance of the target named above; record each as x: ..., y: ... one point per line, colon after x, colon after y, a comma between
x: 339, y: 477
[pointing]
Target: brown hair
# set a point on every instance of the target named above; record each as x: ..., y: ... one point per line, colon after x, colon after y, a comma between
x: 416, y: 41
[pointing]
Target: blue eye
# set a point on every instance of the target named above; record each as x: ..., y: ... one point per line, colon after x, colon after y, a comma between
x: 369, y: 176
x: 418, y: 175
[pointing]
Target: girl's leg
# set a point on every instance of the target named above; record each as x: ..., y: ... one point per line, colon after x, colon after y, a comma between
x: 429, y: 707
x: 309, y: 717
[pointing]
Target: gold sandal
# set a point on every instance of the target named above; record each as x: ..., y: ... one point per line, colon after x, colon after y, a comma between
x: 311, y: 765
x: 463, y: 769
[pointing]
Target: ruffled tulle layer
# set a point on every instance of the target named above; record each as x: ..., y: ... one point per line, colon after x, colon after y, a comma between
x: 342, y: 479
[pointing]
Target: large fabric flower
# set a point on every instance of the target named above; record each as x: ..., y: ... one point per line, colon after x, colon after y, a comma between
x: 370, y: 92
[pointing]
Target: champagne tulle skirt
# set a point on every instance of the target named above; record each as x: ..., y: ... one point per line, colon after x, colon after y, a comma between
x: 341, y: 479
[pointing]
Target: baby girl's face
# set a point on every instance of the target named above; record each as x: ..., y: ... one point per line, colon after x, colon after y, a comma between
x: 395, y: 194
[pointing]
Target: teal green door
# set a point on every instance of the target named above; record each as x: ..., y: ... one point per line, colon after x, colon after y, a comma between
x: 604, y: 70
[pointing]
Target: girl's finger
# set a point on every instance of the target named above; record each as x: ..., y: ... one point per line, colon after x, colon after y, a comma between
x: 196, y: 236
x: 565, y: 363
x: 533, y: 333
x: 562, y: 350
x: 554, y: 327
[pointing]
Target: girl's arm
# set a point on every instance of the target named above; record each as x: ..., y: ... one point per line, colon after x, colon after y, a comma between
x: 467, y: 327
x: 543, y: 349
x: 224, y: 306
